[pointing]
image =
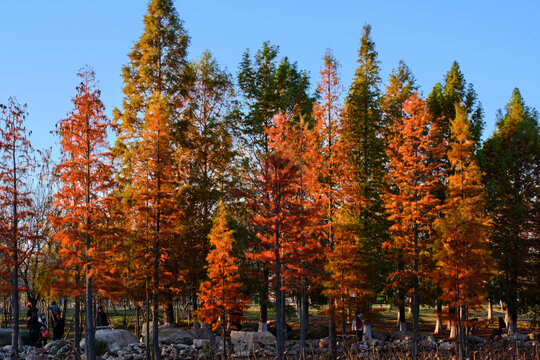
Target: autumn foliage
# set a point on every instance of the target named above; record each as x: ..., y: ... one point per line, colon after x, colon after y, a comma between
x: 221, y: 300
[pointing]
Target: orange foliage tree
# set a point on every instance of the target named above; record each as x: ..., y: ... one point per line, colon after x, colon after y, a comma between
x: 412, y: 175
x: 83, y: 198
x: 221, y: 299
x: 302, y: 248
x: 277, y: 214
x: 462, y: 253
x: 330, y: 165
x: 154, y: 211
x: 15, y: 163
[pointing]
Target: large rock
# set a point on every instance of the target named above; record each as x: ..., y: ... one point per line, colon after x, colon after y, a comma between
x: 117, y: 338
x: 476, y: 339
x: 248, y: 341
x: 6, y: 334
x: 172, y: 335
x: 447, y: 346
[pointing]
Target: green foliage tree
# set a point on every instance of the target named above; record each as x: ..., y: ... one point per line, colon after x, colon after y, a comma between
x: 363, y: 130
x: 266, y: 88
x: 511, y: 163
x: 206, y: 162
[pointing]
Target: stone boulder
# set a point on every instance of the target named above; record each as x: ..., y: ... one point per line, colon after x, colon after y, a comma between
x: 249, y: 341
x: 447, y: 346
x: 172, y: 335
x: 6, y: 334
x: 476, y: 339
x: 117, y: 338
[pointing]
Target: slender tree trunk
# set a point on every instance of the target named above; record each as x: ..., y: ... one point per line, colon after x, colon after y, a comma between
x: 147, y: 318
x: 416, y: 293
x: 15, y: 259
x: 155, y: 304
x: 490, y: 310
x: 279, y: 298
x: 438, y: 322
x: 511, y: 324
x: 169, y: 311
x: 263, y: 301
x: 402, y: 323
x: 77, y: 315
x: 304, y: 311
x: 332, y: 328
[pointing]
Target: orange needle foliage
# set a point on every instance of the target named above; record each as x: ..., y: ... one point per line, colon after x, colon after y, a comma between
x: 220, y: 295
x: 83, y: 197
x: 413, y: 173
x: 463, y: 256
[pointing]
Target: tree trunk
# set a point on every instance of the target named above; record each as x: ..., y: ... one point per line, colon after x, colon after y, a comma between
x: 416, y: 294
x: 89, y: 334
x: 438, y: 322
x: 511, y: 324
x: 453, y: 329
x: 147, y: 318
x: 15, y: 296
x: 77, y: 322
x: 156, y: 354
x: 279, y: 298
x: 169, y: 312
x: 402, y: 324
x: 263, y: 302
x: 304, y: 313
x: 490, y: 311
x: 332, y: 328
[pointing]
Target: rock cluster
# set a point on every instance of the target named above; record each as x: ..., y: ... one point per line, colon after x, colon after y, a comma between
x: 202, y: 344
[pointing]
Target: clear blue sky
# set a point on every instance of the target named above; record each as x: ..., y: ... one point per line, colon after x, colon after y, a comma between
x: 44, y: 43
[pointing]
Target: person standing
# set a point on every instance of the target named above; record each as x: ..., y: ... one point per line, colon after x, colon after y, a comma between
x: 358, y: 327
x: 101, y: 317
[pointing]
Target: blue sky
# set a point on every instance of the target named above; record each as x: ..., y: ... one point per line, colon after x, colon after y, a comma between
x: 44, y: 43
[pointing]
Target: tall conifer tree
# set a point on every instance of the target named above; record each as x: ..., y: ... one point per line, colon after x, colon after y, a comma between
x: 400, y: 87
x: 86, y: 182
x: 511, y: 163
x: 413, y: 174
x: 15, y: 164
x: 462, y: 252
x: 363, y: 130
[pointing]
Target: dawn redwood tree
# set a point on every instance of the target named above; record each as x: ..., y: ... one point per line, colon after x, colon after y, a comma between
x: 153, y: 198
x: 511, y: 166
x: 413, y: 174
x: 85, y: 174
x: 401, y: 86
x: 462, y: 251
x: 363, y: 135
x: 205, y: 165
x: 276, y: 213
x: 302, y: 247
x: 267, y: 86
x: 454, y: 90
x: 221, y: 299
x: 157, y: 65
x: 16, y: 162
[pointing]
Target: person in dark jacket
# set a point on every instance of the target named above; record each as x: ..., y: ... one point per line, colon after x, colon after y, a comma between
x: 101, y: 317
x: 34, y: 328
